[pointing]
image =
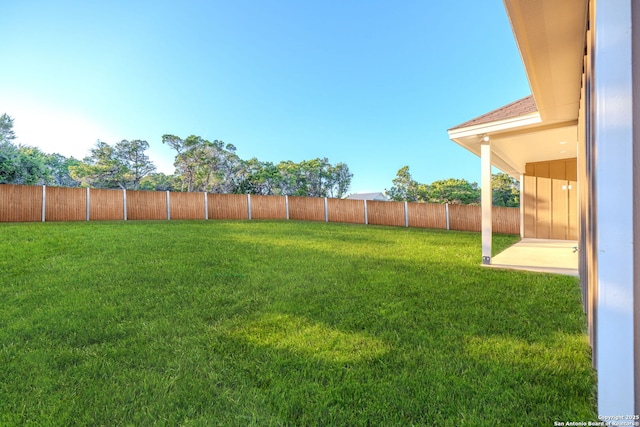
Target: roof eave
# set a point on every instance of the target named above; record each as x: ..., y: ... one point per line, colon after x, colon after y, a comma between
x: 496, y: 126
x: 550, y: 36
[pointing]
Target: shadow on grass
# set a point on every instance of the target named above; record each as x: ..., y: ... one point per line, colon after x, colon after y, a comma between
x: 310, y: 339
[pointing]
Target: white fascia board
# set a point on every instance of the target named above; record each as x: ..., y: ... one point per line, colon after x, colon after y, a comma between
x: 497, y: 126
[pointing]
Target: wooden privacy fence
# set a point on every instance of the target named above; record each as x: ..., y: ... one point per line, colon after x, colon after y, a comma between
x: 20, y: 203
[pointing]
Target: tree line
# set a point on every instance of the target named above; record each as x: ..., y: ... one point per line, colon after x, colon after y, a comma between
x: 214, y: 166
x: 29, y: 165
x: 200, y: 165
x: 505, y: 190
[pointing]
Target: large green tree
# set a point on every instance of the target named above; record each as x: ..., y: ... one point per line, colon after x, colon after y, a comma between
x: 24, y: 165
x: 340, y: 180
x: 7, y: 134
x: 158, y: 181
x: 27, y: 165
x: 59, y: 170
x: 406, y: 189
x: 101, y: 169
x: 131, y: 154
x: 8, y: 152
x: 256, y: 177
x: 454, y: 191
x: 9, y: 163
x: 21, y: 164
x: 506, y: 190
x: 121, y: 166
x: 203, y: 165
x: 32, y: 167
x: 314, y: 178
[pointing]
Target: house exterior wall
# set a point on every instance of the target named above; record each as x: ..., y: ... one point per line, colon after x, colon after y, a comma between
x: 550, y: 206
x: 612, y: 177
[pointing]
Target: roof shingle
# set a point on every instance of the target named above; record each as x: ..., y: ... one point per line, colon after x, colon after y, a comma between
x: 518, y: 108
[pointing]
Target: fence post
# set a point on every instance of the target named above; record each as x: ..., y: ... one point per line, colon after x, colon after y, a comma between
x: 249, y: 206
x: 124, y: 203
x: 206, y: 206
x: 168, y: 206
x: 406, y: 214
x: 366, y: 214
x: 446, y: 212
x: 326, y: 210
x: 88, y: 203
x: 44, y: 202
x: 286, y: 204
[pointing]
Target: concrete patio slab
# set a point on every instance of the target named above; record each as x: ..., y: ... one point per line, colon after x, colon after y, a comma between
x: 541, y: 255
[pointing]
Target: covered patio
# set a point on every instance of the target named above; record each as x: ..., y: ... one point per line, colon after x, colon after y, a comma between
x: 540, y: 255
x: 541, y: 155
x: 523, y: 138
x: 574, y: 147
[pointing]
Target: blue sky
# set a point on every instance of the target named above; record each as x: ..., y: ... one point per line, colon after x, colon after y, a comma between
x: 373, y: 84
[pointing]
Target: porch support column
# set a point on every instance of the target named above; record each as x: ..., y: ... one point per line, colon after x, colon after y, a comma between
x: 485, y: 155
x: 521, y: 206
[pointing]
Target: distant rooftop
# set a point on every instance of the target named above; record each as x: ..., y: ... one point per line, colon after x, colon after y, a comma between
x: 518, y: 108
x: 368, y: 196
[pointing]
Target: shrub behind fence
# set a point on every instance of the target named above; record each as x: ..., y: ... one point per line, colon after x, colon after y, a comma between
x: 19, y: 203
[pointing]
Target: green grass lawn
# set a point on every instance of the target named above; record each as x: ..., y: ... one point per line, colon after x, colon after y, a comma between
x: 281, y: 323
